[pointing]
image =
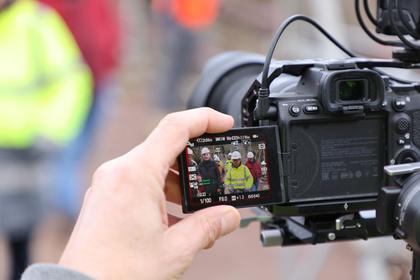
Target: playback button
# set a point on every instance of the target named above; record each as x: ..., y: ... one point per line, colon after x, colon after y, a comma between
x: 311, y: 109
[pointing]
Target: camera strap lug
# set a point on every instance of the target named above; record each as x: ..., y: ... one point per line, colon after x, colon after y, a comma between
x: 285, y: 157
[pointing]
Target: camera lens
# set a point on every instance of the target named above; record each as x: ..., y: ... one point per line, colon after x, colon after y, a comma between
x: 351, y: 90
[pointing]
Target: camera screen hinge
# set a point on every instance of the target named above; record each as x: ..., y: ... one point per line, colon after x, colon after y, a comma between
x: 285, y: 158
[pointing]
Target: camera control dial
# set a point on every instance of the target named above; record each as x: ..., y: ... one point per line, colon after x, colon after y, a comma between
x: 407, y: 156
x: 402, y: 125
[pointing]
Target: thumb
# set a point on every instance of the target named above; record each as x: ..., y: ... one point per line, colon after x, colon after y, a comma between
x: 203, y: 228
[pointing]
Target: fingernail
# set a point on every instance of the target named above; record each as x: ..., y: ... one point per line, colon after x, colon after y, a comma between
x: 230, y: 220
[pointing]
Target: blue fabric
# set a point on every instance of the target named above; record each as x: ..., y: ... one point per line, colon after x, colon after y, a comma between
x: 70, y: 165
x: 254, y: 187
x: 52, y: 272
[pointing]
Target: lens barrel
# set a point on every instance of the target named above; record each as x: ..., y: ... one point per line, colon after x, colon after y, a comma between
x: 225, y: 81
x: 408, y: 212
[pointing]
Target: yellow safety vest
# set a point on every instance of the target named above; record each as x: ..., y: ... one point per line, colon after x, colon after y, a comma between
x: 239, y: 178
x: 228, y: 164
x: 45, y: 87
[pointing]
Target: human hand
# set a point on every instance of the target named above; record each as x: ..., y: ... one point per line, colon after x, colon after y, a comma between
x: 123, y: 231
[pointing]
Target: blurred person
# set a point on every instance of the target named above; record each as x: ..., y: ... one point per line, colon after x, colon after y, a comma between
x: 220, y: 167
x: 263, y: 183
x: 96, y: 28
x: 254, y: 167
x: 263, y: 168
x: 181, y: 23
x: 208, y: 175
x: 222, y: 173
x: 238, y: 178
x: 114, y: 239
x: 228, y: 163
x: 44, y: 97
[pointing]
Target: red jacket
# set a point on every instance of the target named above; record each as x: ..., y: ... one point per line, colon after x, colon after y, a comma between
x: 255, y: 168
x: 95, y: 27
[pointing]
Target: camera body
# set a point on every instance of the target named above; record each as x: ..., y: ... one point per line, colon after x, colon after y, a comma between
x: 342, y: 124
x: 339, y: 123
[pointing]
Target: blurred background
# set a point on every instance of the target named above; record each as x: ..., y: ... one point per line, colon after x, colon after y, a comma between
x: 145, y: 60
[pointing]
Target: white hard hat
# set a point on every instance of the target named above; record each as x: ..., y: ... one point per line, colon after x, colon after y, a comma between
x: 236, y: 155
x: 263, y: 163
x: 250, y: 155
x: 216, y: 158
x: 205, y: 150
x: 190, y: 152
x: 230, y: 154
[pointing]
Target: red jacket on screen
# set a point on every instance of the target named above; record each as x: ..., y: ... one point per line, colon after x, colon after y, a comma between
x: 255, y: 168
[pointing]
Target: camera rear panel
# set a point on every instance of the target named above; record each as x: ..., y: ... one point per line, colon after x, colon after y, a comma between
x: 338, y: 159
x: 335, y: 160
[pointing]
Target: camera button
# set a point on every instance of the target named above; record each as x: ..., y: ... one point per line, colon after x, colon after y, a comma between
x: 311, y: 109
x: 399, y: 104
x: 294, y: 110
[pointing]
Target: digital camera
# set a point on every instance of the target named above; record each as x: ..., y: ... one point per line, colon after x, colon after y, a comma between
x: 346, y: 137
x: 339, y: 123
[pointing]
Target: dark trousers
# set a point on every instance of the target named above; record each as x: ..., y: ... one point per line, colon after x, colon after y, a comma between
x: 19, y: 254
x: 211, y: 189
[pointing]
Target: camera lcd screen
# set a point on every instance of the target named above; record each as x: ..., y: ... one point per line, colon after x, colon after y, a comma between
x: 352, y: 90
x: 239, y: 167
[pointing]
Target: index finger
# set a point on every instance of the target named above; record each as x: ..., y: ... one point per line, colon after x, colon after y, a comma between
x: 171, y: 136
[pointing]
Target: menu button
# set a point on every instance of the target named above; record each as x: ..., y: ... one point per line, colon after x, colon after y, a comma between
x: 311, y: 109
